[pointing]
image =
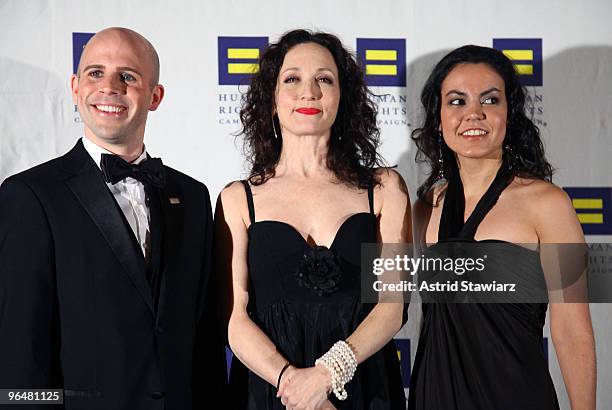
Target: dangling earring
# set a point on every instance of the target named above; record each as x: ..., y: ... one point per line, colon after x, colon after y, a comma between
x: 510, y: 156
x: 274, y: 127
x: 440, y: 158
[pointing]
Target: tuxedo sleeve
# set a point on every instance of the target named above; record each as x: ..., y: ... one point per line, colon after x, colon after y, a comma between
x: 29, y: 335
x: 209, y: 373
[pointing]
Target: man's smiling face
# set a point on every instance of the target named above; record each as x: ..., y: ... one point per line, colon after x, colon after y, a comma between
x: 116, y: 86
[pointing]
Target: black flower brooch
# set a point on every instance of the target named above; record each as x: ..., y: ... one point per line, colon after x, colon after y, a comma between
x: 319, y: 271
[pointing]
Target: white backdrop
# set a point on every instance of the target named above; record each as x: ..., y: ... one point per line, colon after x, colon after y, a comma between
x: 192, y: 130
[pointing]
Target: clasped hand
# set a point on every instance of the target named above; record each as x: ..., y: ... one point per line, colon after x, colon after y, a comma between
x: 305, y: 389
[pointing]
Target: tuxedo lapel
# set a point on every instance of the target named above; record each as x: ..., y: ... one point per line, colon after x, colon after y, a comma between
x: 172, y: 215
x: 156, y: 234
x: 87, y: 184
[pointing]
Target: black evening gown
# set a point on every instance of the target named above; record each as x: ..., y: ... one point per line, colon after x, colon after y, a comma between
x: 306, y: 298
x: 474, y: 356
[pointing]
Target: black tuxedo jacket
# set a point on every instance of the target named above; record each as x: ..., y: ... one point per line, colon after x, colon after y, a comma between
x: 76, y: 309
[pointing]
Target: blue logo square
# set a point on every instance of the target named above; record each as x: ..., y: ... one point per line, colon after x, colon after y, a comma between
x: 383, y: 60
x: 403, y: 352
x: 594, y: 208
x: 239, y: 58
x: 545, y: 348
x: 78, y: 44
x: 526, y: 55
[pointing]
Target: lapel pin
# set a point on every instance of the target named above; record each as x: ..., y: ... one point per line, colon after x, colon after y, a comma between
x: 174, y: 200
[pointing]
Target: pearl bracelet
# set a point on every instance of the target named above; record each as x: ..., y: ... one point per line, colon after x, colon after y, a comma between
x: 341, y: 363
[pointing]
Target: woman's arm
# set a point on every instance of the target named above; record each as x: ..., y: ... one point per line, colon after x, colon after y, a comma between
x: 385, y: 319
x: 394, y: 226
x: 572, y: 334
x: 247, y: 341
x: 570, y: 323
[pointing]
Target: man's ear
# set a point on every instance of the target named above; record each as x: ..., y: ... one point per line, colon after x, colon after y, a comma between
x: 74, y: 87
x: 156, y: 97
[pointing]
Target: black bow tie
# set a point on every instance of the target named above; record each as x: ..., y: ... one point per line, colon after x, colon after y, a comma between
x: 150, y: 172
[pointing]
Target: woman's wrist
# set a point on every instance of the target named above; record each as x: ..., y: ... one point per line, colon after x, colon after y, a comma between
x: 326, y: 375
x: 341, y: 363
x: 281, y: 373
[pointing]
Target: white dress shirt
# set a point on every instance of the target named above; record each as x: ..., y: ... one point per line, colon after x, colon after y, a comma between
x: 130, y: 196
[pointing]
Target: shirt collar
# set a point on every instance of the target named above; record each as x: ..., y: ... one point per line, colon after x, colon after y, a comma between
x: 96, y: 151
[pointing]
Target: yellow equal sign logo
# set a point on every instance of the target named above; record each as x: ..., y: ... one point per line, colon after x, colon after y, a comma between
x: 594, y: 205
x: 526, y: 56
x: 521, y: 55
x: 383, y: 60
x: 243, y: 54
x: 238, y: 58
x: 381, y: 55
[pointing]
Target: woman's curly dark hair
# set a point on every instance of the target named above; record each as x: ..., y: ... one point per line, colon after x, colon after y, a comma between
x: 526, y: 155
x: 352, y: 157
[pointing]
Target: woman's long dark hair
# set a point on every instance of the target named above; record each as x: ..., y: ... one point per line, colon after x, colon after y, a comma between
x: 525, y: 158
x: 354, y: 138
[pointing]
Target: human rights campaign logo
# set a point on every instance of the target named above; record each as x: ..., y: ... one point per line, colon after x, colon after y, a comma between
x: 594, y: 208
x: 384, y: 61
x: 403, y: 354
x: 78, y: 44
x: 526, y: 55
x: 239, y: 58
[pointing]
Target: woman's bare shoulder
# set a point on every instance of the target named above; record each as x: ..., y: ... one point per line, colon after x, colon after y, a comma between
x: 539, y: 193
x: 233, y: 201
x: 392, y: 185
x: 551, y: 208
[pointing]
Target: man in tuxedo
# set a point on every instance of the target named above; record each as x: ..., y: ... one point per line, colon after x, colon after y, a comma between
x: 105, y: 256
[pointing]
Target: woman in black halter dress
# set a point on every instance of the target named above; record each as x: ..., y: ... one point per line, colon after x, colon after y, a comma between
x: 489, y: 184
x: 290, y: 235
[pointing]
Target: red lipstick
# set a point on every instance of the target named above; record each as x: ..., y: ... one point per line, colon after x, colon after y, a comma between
x: 308, y: 111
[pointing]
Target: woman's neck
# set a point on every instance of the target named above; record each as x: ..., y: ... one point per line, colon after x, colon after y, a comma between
x: 477, y: 174
x: 303, y: 156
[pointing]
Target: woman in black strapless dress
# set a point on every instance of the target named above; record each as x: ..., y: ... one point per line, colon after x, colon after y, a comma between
x: 290, y: 235
x: 490, y: 182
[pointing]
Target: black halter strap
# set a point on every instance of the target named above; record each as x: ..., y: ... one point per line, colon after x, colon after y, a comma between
x: 371, y: 197
x: 249, y: 196
x: 451, y: 222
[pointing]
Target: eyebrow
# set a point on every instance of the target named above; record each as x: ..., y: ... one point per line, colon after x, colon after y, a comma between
x: 318, y: 69
x: 490, y: 90
x: 91, y: 66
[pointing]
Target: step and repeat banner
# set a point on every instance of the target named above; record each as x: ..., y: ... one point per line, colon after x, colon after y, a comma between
x: 563, y: 51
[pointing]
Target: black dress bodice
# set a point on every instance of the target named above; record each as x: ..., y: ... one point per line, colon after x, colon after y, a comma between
x: 481, y: 356
x: 306, y: 298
